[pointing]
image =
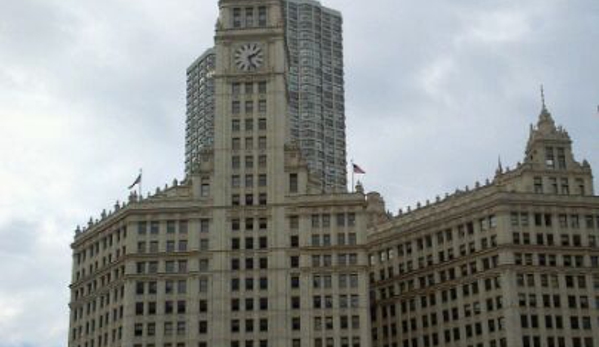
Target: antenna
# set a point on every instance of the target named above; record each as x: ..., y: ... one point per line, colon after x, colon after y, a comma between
x: 543, y: 97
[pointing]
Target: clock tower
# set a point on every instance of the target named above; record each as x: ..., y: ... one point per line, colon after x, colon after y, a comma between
x: 251, y: 126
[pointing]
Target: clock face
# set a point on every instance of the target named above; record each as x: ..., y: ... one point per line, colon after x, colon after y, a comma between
x: 249, y: 57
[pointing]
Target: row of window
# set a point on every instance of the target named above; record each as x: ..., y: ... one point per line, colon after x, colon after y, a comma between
x: 343, y: 239
x: 249, y: 181
x: 555, y: 322
x: 441, y: 276
x: 453, y: 335
x: 249, y: 284
x: 555, y: 301
x: 248, y: 162
x: 566, y: 240
x: 326, y: 260
x: 249, y: 107
x: 170, y: 246
x: 248, y: 199
x: 554, y: 281
x: 249, y: 126
x: 566, y: 260
x: 89, y: 328
x: 555, y: 185
x: 559, y: 341
x: 105, y: 243
x: 573, y: 221
x: 426, y: 242
x: 248, y: 88
x: 249, y: 263
x: 169, y: 328
x: 172, y: 227
x: 249, y: 17
x: 325, y: 281
x: 170, y: 266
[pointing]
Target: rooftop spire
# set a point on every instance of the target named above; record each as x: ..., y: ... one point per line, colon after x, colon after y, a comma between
x: 543, y: 98
x: 545, y: 116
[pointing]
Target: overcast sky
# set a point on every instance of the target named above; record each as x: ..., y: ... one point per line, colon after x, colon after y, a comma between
x: 90, y: 91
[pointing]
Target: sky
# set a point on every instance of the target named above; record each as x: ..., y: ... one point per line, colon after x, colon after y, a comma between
x: 91, y: 91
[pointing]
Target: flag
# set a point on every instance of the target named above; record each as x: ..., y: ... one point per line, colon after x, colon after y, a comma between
x: 358, y: 170
x: 136, y: 182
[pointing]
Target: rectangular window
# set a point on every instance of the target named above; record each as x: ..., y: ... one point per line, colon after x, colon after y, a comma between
x: 293, y: 184
x: 262, y: 87
x: 549, y: 157
x: 236, y: 143
x: 262, y: 106
x: 249, y: 17
x: 561, y: 158
x: 236, y: 88
x: 538, y: 185
x: 249, y: 107
x: 262, y: 13
x: 262, y: 142
x: 249, y: 181
x: 235, y: 162
x: 235, y: 107
x: 262, y: 124
x: 249, y: 124
x: 236, y: 18
x: 249, y: 162
x: 565, y: 186
x: 262, y: 180
x: 262, y: 161
x: 249, y: 88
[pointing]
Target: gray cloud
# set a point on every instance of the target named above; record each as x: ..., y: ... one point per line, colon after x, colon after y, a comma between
x: 91, y: 91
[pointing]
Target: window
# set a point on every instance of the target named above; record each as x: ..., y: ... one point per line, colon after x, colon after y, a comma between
x: 249, y: 143
x: 141, y: 228
x: 236, y: 143
x: 249, y: 17
x: 205, y: 188
x: 262, y: 106
x: 549, y: 157
x: 235, y: 162
x: 249, y: 88
x: 565, y: 186
x: 236, y: 18
x: 236, y: 88
x: 203, y: 327
x: 249, y: 109
x: 235, y: 125
x: 235, y: 181
x: 235, y: 107
x: 262, y: 13
x: 561, y: 158
x: 262, y: 87
x: 262, y: 142
x: 538, y: 185
x: 262, y: 124
x: 154, y: 227
x: 249, y: 162
x: 294, y: 261
x: 262, y: 161
x: 580, y: 186
x: 262, y: 180
x: 204, y: 226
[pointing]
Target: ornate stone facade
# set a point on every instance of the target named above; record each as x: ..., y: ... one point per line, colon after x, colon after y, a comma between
x: 248, y: 251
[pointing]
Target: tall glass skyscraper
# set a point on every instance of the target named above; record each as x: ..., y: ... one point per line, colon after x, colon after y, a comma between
x: 199, y: 128
x: 316, y: 93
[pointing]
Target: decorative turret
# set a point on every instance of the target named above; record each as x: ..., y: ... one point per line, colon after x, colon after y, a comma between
x: 548, y: 144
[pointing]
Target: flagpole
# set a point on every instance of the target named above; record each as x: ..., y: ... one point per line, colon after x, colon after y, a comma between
x: 353, y: 172
x: 140, y: 180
